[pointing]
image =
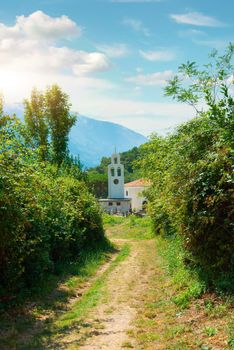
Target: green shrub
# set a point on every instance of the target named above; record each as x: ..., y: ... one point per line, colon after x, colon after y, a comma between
x: 192, y: 194
x: 46, y: 215
x: 191, y: 171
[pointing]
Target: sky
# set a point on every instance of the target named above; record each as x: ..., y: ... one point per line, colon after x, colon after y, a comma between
x: 112, y: 57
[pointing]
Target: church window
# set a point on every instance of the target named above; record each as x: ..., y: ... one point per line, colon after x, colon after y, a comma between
x: 119, y: 172
x: 118, y: 203
x: 126, y: 193
x: 112, y: 172
x: 110, y: 203
x: 115, y: 160
x: 116, y: 181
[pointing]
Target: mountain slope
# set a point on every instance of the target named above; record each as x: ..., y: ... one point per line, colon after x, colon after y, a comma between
x: 93, y: 139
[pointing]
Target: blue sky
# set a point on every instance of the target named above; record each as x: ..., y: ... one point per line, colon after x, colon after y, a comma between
x: 113, y: 57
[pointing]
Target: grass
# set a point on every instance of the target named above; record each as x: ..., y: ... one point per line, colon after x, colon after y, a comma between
x: 93, y: 294
x: 32, y: 325
x: 230, y: 330
x: 178, y: 306
x: 131, y: 227
x: 210, y: 331
x: 175, y: 311
x: 187, y: 282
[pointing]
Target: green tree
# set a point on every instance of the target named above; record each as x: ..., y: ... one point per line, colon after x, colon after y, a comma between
x: 1, y: 105
x: 211, y: 86
x: 35, y: 119
x: 60, y: 121
x: 191, y: 170
x: 47, y: 214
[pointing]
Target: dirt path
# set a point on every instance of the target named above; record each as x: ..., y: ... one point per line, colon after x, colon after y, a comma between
x: 109, y: 324
x: 128, y: 302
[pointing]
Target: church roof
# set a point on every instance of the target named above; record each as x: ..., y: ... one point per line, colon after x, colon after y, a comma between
x: 138, y: 183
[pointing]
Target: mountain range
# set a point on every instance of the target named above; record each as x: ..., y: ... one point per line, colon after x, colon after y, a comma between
x: 93, y: 139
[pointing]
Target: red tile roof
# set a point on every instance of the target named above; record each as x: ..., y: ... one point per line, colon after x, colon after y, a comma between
x: 138, y: 183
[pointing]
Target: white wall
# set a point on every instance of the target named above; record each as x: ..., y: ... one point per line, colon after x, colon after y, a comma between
x: 123, y: 208
x: 135, y: 193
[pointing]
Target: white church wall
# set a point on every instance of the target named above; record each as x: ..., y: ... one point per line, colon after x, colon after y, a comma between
x: 112, y: 206
x: 135, y: 193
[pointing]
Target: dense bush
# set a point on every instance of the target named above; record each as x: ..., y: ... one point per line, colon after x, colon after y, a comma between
x: 192, y: 193
x: 191, y: 171
x: 46, y: 213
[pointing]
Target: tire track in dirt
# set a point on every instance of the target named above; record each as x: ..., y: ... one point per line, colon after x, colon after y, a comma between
x: 112, y: 320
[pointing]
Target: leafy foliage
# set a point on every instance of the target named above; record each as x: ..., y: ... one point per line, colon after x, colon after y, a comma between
x: 60, y: 121
x: 37, y: 124
x: 47, y: 214
x: 47, y: 116
x: 191, y: 171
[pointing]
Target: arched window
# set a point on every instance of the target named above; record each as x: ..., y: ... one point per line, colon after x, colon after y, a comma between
x: 119, y: 172
x: 115, y: 160
x: 112, y: 172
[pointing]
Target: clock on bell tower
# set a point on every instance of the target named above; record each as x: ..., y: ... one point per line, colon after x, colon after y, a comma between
x: 115, y: 177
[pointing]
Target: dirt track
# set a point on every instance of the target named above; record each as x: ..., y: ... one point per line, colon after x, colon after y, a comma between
x: 112, y: 320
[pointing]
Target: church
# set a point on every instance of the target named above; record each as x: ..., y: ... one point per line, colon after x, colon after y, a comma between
x: 122, y: 198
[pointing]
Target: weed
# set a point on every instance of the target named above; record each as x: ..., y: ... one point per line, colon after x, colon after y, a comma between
x: 206, y: 347
x: 127, y: 344
x: 186, y: 281
x: 231, y: 334
x: 179, y: 346
x: 210, y: 331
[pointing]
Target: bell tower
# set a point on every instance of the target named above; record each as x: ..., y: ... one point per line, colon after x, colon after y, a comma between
x: 115, y: 177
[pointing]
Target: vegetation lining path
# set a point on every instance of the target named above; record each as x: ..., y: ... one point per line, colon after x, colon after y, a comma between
x: 133, y: 302
x: 145, y: 308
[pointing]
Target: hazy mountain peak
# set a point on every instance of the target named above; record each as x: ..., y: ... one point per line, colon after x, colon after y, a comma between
x: 93, y: 139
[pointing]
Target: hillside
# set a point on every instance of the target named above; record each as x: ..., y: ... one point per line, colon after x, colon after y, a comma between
x: 86, y: 134
x: 85, y: 137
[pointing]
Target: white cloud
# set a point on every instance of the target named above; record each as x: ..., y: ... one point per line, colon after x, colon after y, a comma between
x: 197, y: 19
x: 213, y: 43
x: 89, y: 96
x: 192, y: 32
x: 29, y: 59
x: 158, y: 55
x: 139, y: 69
x: 154, y: 79
x: 90, y: 62
x: 32, y: 44
x: 38, y: 25
x: 143, y: 117
x: 136, y: 25
x: 17, y: 85
x: 115, y: 50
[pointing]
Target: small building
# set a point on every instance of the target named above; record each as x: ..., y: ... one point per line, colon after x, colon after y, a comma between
x: 134, y: 190
x: 116, y: 203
